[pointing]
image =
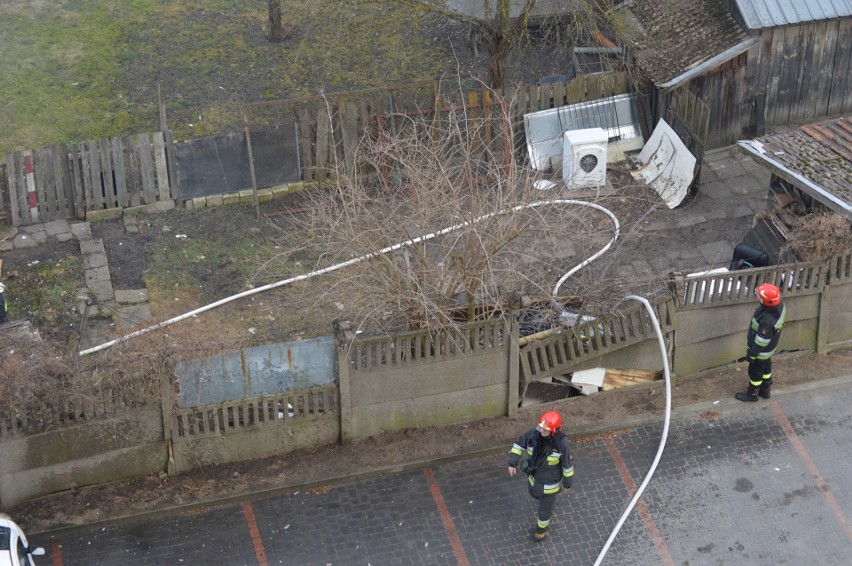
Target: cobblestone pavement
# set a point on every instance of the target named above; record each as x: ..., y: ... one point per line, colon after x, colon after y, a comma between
x: 764, y: 483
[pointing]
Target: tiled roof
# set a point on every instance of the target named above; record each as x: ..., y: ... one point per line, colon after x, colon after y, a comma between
x: 819, y: 153
x: 760, y: 14
x: 673, y: 36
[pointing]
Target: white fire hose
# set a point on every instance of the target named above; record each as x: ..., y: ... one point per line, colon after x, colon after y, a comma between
x: 616, y: 229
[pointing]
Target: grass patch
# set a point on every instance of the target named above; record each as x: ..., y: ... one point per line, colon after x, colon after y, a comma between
x: 85, y: 69
x: 45, y: 292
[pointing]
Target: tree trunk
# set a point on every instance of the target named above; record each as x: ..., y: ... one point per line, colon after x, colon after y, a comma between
x: 276, y: 30
x: 497, y: 66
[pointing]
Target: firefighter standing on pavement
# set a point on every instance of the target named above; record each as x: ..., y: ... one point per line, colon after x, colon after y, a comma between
x: 548, y: 465
x: 763, y: 334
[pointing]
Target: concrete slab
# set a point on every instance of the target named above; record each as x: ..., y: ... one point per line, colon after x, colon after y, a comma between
x: 746, y: 185
x: 24, y: 241
x: 131, y: 296
x: 97, y: 274
x: 91, y: 261
x: 57, y: 227
x: 40, y: 237
x: 7, y: 245
x: 102, y: 290
x: 717, y: 254
x: 64, y: 237
x: 127, y: 317
x: 92, y: 247
x: 131, y: 224
x: 728, y: 169
x: 82, y: 230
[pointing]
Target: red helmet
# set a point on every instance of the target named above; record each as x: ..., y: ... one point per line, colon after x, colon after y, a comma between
x: 550, y: 421
x: 769, y: 294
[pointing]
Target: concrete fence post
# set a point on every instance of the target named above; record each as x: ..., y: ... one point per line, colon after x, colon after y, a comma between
x: 167, y: 403
x: 516, y: 302
x: 823, y: 320
x: 344, y: 335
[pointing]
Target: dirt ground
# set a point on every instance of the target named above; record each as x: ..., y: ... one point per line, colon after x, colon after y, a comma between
x: 318, y: 470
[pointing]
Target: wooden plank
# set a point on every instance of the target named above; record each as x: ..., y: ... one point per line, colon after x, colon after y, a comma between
x: 64, y: 198
x: 349, y: 133
x: 576, y: 91
x: 14, y: 172
x: 95, y: 188
x: 77, y: 187
x: 171, y: 163
x: 804, y: 76
x: 134, y: 178
x: 41, y: 174
x: 162, y: 169
x: 789, y: 71
x: 105, y: 156
x: 840, y: 99
x: 121, y: 197
x: 774, y: 76
x: 146, y: 168
x: 322, y: 149
x: 52, y: 197
x: 305, y: 145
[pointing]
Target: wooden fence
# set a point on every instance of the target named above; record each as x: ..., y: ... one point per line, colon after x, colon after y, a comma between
x: 330, y: 127
x: 69, y: 180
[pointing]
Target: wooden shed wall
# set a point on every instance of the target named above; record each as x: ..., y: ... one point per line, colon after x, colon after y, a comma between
x: 794, y: 74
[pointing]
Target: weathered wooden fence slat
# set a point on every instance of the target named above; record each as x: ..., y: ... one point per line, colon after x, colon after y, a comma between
x: 162, y: 168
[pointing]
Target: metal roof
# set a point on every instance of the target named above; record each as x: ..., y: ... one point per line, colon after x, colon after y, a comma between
x: 759, y: 14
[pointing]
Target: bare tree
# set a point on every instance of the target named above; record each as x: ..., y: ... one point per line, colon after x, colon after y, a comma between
x: 504, y: 24
x: 276, y: 29
x: 455, y: 216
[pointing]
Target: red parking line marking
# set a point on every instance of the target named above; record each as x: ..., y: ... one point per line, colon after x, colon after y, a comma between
x: 56, y: 552
x: 446, y: 518
x: 259, y: 550
x: 814, y: 471
x: 662, y: 549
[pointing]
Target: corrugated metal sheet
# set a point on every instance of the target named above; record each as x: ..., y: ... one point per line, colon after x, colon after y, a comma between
x: 760, y: 14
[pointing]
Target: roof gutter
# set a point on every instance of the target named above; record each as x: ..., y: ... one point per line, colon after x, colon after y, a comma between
x: 715, y: 61
x: 827, y: 198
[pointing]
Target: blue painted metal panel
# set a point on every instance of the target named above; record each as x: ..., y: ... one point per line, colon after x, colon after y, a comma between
x: 273, y: 368
x: 759, y: 14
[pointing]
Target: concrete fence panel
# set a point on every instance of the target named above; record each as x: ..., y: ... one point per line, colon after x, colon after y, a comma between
x: 255, y: 427
x: 128, y: 445
x: 425, y: 378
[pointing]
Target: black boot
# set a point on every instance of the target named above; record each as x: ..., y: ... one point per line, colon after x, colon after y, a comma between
x: 765, y: 389
x: 750, y: 394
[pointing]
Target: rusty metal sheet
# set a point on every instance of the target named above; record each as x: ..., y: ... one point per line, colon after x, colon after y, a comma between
x: 273, y: 368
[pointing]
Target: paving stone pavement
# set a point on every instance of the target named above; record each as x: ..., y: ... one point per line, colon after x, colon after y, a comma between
x: 765, y: 483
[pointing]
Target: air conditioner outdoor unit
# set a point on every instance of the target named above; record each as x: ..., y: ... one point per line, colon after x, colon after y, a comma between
x: 584, y: 157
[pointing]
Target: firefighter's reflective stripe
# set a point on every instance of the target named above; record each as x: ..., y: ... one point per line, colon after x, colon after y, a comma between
x: 543, y: 524
x: 757, y: 383
x: 568, y: 472
x: 516, y: 450
x: 548, y: 487
x: 553, y: 459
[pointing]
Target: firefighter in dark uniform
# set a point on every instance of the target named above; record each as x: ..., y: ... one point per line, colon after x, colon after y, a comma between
x: 544, y: 454
x: 763, y: 334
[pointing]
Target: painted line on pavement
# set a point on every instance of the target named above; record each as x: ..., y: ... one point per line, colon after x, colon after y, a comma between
x: 56, y: 551
x: 446, y: 518
x: 257, y: 542
x: 662, y: 549
x: 812, y: 468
